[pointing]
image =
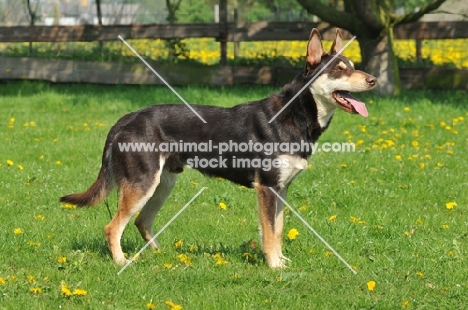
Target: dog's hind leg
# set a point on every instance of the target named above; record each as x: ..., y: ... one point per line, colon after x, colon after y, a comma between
x: 271, y: 225
x: 145, y: 219
x: 132, y: 198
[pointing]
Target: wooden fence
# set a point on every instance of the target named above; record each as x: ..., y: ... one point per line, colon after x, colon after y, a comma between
x: 223, y: 32
x: 239, y: 32
x: 92, y: 72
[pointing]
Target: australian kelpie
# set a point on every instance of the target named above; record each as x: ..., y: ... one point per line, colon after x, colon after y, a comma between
x: 145, y: 178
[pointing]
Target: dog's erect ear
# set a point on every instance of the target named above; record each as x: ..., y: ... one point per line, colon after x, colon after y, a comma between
x: 314, y: 48
x: 338, y: 43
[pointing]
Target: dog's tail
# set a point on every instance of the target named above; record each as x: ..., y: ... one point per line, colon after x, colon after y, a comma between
x: 100, y: 189
x: 94, y: 195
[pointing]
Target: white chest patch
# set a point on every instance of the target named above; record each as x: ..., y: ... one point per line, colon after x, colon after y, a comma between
x: 293, y: 165
x: 322, y: 90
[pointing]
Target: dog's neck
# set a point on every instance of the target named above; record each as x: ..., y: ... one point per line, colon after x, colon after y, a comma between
x: 325, y: 111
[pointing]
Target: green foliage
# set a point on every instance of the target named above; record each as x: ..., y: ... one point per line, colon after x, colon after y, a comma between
x: 389, y: 198
x: 195, y: 11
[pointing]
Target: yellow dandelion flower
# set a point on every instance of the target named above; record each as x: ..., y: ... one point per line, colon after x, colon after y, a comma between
x: 68, y: 206
x: 343, y: 165
x: 64, y: 289
x: 398, y: 157
x: 39, y: 217
x: 332, y: 218
x: 415, y: 143
x: 420, y: 274
x: 220, y: 260
x: 449, y: 253
x: 421, y: 165
x: 328, y: 254
x: 172, y: 305
x: 444, y: 226
x: 303, y: 208
x: 18, y: 231
x: 20, y: 167
x: 293, y: 233
x: 450, y: 152
x: 450, y: 205
x: 79, y: 292
x: 371, y: 285
x: 167, y: 265
x: 419, y: 222
x: 185, y: 259
x: 58, y: 163
x: 36, y: 290
x: 150, y: 305
x: 10, y: 162
x: 405, y: 303
x: 61, y: 259
x: 222, y: 206
x: 178, y: 243
x: 2, y: 281
x: 406, y: 109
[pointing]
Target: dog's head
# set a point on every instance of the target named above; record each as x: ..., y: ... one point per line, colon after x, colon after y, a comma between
x: 335, y: 76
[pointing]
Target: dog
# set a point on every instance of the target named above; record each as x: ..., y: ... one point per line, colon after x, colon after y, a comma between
x: 145, y: 179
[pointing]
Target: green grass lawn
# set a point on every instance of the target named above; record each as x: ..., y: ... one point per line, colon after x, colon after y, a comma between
x: 386, y: 208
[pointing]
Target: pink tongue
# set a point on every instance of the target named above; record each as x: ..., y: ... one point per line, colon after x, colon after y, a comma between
x: 359, y: 106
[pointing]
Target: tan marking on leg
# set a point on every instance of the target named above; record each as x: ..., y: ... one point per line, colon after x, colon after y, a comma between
x: 131, y: 200
x: 267, y: 213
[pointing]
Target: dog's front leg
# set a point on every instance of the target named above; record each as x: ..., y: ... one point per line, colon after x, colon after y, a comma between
x: 271, y: 225
x: 279, y: 223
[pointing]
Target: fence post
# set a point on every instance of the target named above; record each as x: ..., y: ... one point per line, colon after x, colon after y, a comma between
x: 223, y: 24
x: 418, y: 49
x: 236, y: 43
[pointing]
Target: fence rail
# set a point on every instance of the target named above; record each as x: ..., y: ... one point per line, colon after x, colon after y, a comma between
x: 228, y: 32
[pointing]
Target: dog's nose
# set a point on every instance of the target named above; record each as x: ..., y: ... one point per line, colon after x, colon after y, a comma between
x: 371, y: 80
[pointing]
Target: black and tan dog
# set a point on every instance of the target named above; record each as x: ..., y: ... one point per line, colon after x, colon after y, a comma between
x: 146, y: 178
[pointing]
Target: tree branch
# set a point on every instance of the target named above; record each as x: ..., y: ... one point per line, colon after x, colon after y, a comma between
x: 412, y: 17
x: 372, y: 13
x: 329, y: 14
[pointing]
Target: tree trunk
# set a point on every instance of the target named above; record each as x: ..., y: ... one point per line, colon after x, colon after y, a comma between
x: 378, y: 59
x: 99, y: 16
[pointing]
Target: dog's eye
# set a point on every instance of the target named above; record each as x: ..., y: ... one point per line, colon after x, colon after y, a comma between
x: 340, y: 68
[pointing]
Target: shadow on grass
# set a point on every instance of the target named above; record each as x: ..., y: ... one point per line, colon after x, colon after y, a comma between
x: 250, y: 251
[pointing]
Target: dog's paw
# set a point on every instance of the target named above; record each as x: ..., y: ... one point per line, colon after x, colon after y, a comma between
x: 122, y: 261
x: 284, y: 258
x: 278, y: 262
